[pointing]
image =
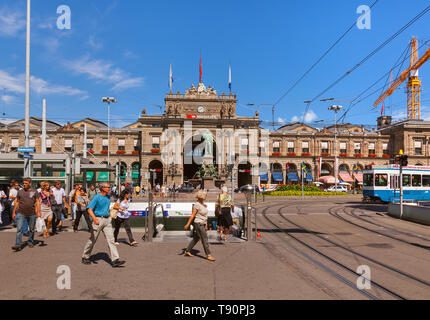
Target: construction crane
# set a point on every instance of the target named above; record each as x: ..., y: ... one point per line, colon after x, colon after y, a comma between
x: 414, y: 83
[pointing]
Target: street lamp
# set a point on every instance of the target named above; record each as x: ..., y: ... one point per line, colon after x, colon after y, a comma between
x: 108, y: 100
x: 273, y: 111
x: 336, y: 109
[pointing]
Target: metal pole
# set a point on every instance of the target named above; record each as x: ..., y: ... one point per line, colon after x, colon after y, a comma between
x: 44, y: 126
x: 85, y: 141
x: 27, y: 92
x: 401, y: 192
x: 302, y: 181
x: 273, y: 117
x: 232, y: 184
x: 108, y: 157
x: 335, y: 150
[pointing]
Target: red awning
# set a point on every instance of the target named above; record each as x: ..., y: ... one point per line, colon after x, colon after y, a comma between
x: 327, y: 180
x: 346, y: 177
x: 358, y: 177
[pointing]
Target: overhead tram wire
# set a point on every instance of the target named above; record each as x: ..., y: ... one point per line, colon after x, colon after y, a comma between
x: 398, y: 63
x: 356, y: 66
x: 320, y: 58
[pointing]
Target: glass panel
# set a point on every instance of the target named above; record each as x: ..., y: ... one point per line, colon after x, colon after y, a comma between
x: 426, y: 181
x: 406, y: 180
x: 416, y: 180
x: 368, y: 179
x: 381, y: 180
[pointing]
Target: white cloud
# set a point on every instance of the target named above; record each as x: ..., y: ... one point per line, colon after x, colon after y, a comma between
x: 280, y: 120
x: 104, y: 71
x: 8, y: 99
x: 97, y: 45
x: 309, y: 117
x: 16, y: 84
x: 11, y: 22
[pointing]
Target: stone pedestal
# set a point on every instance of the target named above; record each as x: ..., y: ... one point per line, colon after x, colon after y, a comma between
x: 209, y: 184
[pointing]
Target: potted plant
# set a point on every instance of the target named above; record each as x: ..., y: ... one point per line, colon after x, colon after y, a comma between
x: 155, y: 150
x: 291, y: 154
x: 120, y: 152
x: 344, y: 155
x: 276, y: 154
x: 358, y: 155
x: 305, y: 154
x: 104, y: 151
x: 372, y: 155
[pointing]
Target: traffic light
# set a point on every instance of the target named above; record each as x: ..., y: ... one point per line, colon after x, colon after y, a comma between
x: 401, y: 159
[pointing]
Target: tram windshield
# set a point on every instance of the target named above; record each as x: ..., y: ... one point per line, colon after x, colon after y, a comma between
x: 416, y: 180
x: 381, y: 180
x: 368, y: 180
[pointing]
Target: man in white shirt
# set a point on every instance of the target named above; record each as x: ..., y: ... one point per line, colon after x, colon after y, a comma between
x: 60, y: 199
x: 13, y: 192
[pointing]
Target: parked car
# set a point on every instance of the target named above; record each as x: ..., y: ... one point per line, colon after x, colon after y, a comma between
x: 242, y: 188
x: 339, y: 189
x: 186, y: 188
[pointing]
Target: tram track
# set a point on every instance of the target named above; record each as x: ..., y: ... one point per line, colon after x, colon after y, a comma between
x: 356, y: 253
x: 337, y: 216
x: 321, y: 265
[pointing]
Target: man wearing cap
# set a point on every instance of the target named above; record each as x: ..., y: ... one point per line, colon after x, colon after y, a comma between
x: 99, y: 212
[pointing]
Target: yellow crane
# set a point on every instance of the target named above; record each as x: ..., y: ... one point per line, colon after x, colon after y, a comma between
x: 414, y: 83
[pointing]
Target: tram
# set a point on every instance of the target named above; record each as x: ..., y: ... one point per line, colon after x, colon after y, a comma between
x: 382, y: 183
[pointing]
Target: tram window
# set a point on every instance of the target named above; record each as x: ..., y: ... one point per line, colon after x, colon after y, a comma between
x: 381, y: 180
x: 394, y: 182
x: 426, y: 181
x: 368, y: 180
x: 416, y: 180
x: 406, y: 180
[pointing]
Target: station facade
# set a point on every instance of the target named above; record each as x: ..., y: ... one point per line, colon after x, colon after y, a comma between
x: 202, y: 126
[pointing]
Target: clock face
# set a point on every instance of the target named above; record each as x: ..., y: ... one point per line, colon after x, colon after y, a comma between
x: 201, y: 109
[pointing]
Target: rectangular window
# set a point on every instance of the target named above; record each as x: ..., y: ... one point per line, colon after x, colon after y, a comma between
x: 15, y: 143
x: 262, y: 147
x: 381, y: 180
x: 418, y: 148
x: 155, y: 142
x: 68, y: 144
x: 357, y: 147
x: 290, y: 146
x: 371, y: 148
x: 48, y: 145
x: 244, y: 144
x: 416, y: 180
x: 426, y: 181
x: 305, y: 147
x: 105, y: 148
x: 385, y: 148
x: 394, y: 182
x: 343, y: 147
x: 324, y: 147
x: 276, y: 147
x: 121, y: 144
x: 105, y: 143
x: 136, y: 145
x: 368, y: 180
x: 32, y: 143
x: 406, y: 180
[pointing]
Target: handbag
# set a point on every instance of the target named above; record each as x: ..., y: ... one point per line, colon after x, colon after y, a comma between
x: 217, y: 211
x: 40, y: 225
x: 113, y: 213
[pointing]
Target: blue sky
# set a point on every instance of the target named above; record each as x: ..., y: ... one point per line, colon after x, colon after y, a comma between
x: 124, y: 49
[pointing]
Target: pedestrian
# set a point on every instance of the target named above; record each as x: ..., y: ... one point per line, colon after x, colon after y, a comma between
x: 82, y: 202
x: 92, y: 192
x: 13, y: 192
x: 3, y: 201
x: 123, y: 218
x: 224, y: 220
x: 26, y: 208
x: 72, y: 200
x: 163, y: 191
x: 60, y: 200
x: 236, y: 213
x: 199, y: 219
x: 47, y: 200
x: 137, y: 190
x: 99, y: 212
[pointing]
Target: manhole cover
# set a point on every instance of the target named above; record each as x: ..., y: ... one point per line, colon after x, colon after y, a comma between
x: 343, y: 233
x: 379, y: 245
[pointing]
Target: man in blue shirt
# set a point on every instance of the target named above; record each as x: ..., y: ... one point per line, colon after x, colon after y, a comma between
x: 99, y: 212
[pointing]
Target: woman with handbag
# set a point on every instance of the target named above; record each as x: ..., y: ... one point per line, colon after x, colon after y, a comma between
x: 47, y: 200
x: 82, y: 202
x: 199, y: 219
x: 223, y: 208
x: 123, y: 217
